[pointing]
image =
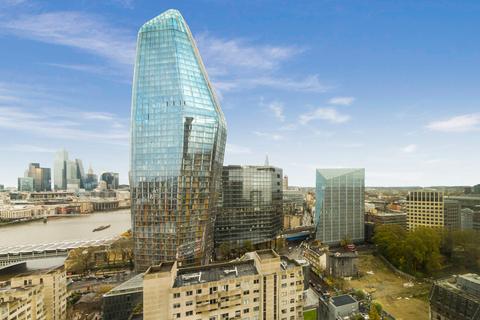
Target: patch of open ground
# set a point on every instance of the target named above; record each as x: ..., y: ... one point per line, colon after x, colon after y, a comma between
x: 386, y: 287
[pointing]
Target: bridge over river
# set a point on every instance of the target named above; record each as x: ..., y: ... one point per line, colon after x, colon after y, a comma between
x: 18, y: 253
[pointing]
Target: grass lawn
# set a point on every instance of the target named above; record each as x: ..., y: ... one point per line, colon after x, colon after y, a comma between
x: 310, y: 315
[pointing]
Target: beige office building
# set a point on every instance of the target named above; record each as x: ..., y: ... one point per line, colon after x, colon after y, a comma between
x: 260, y: 286
x: 425, y: 208
x: 21, y: 303
x: 53, y: 285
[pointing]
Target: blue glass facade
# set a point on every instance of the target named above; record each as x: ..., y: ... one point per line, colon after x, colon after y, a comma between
x: 339, y: 206
x: 177, y: 146
x: 251, y: 205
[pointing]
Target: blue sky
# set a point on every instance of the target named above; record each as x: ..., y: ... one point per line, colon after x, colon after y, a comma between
x: 392, y: 86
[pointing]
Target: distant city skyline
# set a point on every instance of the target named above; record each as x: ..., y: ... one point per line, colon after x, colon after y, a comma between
x: 388, y: 86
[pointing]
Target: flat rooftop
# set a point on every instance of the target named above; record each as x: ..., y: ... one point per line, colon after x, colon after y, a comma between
x: 214, y: 272
x: 467, y: 285
x: 345, y: 299
x: 267, y: 254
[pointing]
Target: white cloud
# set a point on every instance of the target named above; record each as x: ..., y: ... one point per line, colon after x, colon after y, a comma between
x: 237, y: 149
x: 329, y: 114
x: 462, y: 123
x: 410, y: 148
x: 308, y: 84
x: 77, y: 30
x: 223, y: 54
x: 277, y: 109
x: 67, y: 125
x: 28, y: 148
x: 271, y: 136
x: 341, y: 101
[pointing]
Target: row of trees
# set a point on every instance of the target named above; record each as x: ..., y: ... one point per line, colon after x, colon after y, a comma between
x: 82, y: 260
x: 424, y: 251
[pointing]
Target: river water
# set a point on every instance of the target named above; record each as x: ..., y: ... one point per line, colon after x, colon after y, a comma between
x: 68, y: 228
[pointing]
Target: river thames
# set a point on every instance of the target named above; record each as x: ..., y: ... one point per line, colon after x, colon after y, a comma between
x: 68, y: 228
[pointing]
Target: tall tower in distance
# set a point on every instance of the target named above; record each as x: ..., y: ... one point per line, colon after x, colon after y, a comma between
x: 178, y: 137
x: 339, y: 206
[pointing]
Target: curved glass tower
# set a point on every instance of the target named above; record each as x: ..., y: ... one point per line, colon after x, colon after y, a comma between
x: 177, y: 147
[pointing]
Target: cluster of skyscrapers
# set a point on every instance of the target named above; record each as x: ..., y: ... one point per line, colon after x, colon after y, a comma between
x: 184, y: 201
x: 35, y: 179
x: 67, y: 175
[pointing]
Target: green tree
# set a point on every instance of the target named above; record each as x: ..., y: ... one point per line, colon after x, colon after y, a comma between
x: 125, y: 247
x: 359, y: 294
x: 373, y: 313
x: 423, y: 251
x: 224, y: 249
x: 346, y: 241
x: 248, y: 246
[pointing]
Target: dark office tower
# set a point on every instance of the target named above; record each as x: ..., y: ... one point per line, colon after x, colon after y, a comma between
x: 42, y: 180
x: 111, y: 179
x: 452, y: 214
x: 251, y: 207
x: 80, y: 173
x: 339, y: 208
x: 91, y: 180
x: 177, y: 146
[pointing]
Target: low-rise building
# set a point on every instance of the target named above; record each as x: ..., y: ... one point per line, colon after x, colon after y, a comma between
x: 339, y: 307
x: 456, y: 298
x: 342, y: 264
x: 381, y: 218
x: 316, y: 255
x: 122, y: 301
x: 19, y: 212
x: 261, y: 285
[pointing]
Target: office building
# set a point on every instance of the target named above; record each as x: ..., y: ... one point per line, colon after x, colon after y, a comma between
x: 260, y: 286
x: 25, y: 184
x: 42, y: 180
x: 251, y: 206
x: 476, y: 189
x: 452, y: 214
x: 60, y: 170
x: 41, y: 292
x: 339, y: 208
x: 456, y: 298
x: 91, y: 180
x: 425, y: 208
x: 68, y: 174
x: 177, y: 147
x: 121, y: 302
x: 21, y: 303
x: 111, y: 180
x: 381, y: 218
x: 80, y: 174
x: 54, y: 282
x: 285, y: 183
x: 470, y: 201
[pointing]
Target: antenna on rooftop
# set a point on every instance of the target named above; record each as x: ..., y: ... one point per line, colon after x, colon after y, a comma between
x: 266, y: 161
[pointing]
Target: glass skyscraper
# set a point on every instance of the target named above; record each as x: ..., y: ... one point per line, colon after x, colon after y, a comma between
x: 251, y: 207
x: 339, y: 208
x: 60, y: 170
x: 177, y: 146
